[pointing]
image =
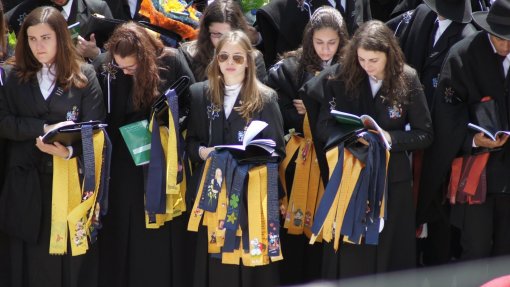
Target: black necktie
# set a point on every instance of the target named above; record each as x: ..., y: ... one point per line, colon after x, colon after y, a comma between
x: 502, y: 60
x: 433, y: 34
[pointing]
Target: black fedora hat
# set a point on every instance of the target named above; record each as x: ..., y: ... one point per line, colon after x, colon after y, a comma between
x: 455, y: 10
x: 497, y: 20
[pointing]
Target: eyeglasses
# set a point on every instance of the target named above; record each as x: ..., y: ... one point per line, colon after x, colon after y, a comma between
x: 215, y: 35
x: 238, y: 59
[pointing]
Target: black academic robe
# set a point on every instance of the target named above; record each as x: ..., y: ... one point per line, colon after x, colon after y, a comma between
x: 189, y: 49
x: 282, y: 23
x: 471, y: 71
x: 80, y: 11
x: 25, y: 203
x: 219, y: 130
x: 130, y: 254
x: 396, y: 242
x: 302, y: 261
x: 416, y: 42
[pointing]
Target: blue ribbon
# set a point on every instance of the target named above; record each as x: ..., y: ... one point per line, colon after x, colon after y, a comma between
x: 155, y: 195
x: 273, y: 210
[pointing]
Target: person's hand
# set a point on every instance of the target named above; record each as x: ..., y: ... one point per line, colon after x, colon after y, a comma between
x: 300, y: 107
x: 204, y: 152
x: 55, y: 148
x: 88, y: 49
x: 482, y: 141
x: 48, y: 128
x: 253, y: 34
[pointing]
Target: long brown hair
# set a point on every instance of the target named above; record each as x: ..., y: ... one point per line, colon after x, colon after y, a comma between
x: 67, y: 62
x: 375, y: 36
x: 130, y: 39
x: 219, y: 11
x: 323, y: 17
x: 253, y: 93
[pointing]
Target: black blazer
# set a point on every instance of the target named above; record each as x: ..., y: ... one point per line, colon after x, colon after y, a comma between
x: 23, y: 113
x: 471, y: 71
x: 391, y: 118
x: 80, y: 11
x: 416, y: 43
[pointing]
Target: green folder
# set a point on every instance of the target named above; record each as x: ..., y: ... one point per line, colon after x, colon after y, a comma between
x: 138, y: 140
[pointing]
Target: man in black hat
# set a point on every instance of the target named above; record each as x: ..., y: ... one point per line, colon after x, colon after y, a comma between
x: 474, y: 77
x: 433, y: 29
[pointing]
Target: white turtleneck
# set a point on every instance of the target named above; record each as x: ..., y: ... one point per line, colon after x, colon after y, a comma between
x: 375, y: 85
x: 46, y: 79
x: 231, y: 93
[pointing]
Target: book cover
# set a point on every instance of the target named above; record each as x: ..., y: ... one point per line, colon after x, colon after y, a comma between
x: 138, y: 141
x: 352, y: 123
x: 484, y: 117
x: 492, y: 134
x: 69, y: 135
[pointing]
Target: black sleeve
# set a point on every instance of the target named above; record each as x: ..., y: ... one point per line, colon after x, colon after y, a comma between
x: 198, y: 127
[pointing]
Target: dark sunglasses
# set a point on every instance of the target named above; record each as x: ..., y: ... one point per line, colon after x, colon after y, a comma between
x: 238, y: 59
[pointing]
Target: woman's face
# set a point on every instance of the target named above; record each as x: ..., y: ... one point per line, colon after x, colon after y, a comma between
x: 325, y: 43
x: 216, y: 30
x: 373, y: 62
x: 42, y: 41
x: 128, y: 64
x: 233, y: 63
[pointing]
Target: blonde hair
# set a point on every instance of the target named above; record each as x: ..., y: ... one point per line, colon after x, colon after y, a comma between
x: 253, y: 93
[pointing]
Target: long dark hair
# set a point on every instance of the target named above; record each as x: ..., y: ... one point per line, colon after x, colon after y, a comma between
x: 375, y: 36
x: 323, y: 17
x: 219, y: 11
x: 131, y: 39
x: 67, y: 62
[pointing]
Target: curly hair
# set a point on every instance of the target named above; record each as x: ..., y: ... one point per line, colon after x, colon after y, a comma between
x: 67, y: 61
x: 253, y: 93
x: 131, y: 39
x: 324, y: 17
x: 375, y: 36
x: 219, y: 11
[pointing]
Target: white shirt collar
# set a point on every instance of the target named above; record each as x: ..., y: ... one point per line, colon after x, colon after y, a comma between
x: 443, y: 25
x: 46, y: 79
x: 375, y: 85
x: 66, y: 9
x: 231, y: 93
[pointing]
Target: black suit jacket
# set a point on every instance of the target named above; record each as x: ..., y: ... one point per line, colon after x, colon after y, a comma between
x: 415, y: 113
x: 416, y: 45
x: 80, y: 11
x: 471, y: 71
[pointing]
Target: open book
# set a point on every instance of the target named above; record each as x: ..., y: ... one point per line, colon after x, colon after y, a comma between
x: 491, y: 133
x: 359, y: 124
x: 251, y: 145
x: 69, y: 135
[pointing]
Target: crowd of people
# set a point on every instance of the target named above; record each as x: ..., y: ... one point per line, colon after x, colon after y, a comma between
x: 328, y: 199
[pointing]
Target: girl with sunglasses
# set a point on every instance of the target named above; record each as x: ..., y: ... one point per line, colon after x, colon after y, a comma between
x: 220, y: 17
x: 136, y: 70
x: 44, y: 86
x: 222, y: 108
x: 324, y: 37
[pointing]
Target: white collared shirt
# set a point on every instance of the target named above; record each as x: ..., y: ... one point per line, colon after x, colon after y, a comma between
x: 231, y: 93
x: 132, y: 7
x: 443, y: 25
x: 66, y: 9
x: 375, y: 85
x: 46, y: 79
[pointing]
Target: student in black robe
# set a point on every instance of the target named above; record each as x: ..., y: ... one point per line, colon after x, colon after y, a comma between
x: 134, y: 73
x: 473, y: 70
x: 220, y: 17
x: 222, y: 108
x: 282, y: 22
x: 432, y: 30
x: 45, y: 86
x: 325, y: 36
x: 373, y: 79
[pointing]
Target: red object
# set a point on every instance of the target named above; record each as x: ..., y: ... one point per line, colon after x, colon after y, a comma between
x: 503, y: 281
x: 485, y: 99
